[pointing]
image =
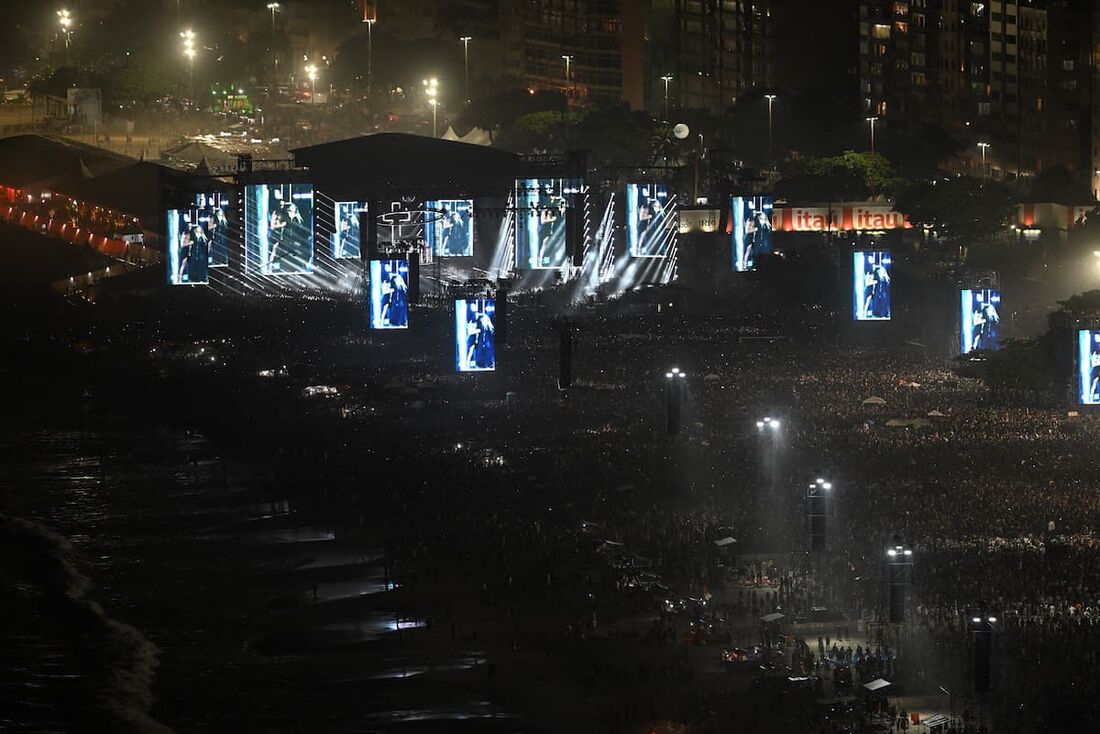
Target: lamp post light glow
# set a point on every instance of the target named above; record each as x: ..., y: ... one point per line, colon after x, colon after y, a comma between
x: 771, y: 150
x: 666, y: 79
x: 984, y: 147
x: 311, y: 72
x: 65, y: 18
x: 871, y: 121
x: 370, y: 53
x: 568, y: 60
x: 674, y: 386
x: 190, y: 52
x: 466, y: 63
x: 431, y: 88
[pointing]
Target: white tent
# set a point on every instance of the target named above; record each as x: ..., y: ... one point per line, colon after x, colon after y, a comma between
x: 874, y: 400
x: 723, y: 542
x: 935, y: 414
x: 876, y: 685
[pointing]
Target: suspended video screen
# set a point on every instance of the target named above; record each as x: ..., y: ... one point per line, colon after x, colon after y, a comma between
x: 1088, y: 366
x: 650, y: 220
x: 751, y: 227
x: 542, y: 223
x: 449, y: 227
x: 278, y: 228
x: 389, y: 294
x: 871, y: 285
x: 475, y: 335
x: 980, y: 320
x: 198, y: 238
x: 346, y: 240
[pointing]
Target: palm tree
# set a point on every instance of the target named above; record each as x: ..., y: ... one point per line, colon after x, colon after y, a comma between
x: 664, y: 144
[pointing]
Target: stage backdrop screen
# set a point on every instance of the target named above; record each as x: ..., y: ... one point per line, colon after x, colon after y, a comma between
x: 751, y: 227
x: 278, y: 228
x: 199, y: 238
x: 541, y: 221
x: 475, y: 335
x: 871, y: 285
x: 389, y: 294
x: 980, y: 320
x: 449, y: 227
x: 650, y: 220
x: 345, y: 240
x: 1088, y: 366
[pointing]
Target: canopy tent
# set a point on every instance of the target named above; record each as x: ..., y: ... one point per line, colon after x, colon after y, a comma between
x: 874, y: 400
x: 772, y: 618
x: 476, y: 136
x: 723, y: 542
x: 935, y: 414
x: 876, y: 685
x: 711, y: 377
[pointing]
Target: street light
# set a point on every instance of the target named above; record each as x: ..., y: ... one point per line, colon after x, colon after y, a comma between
x: 984, y: 147
x: 189, y: 51
x: 872, y: 121
x: 771, y: 153
x: 431, y: 88
x: 311, y: 72
x: 370, y: 53
x: 666, y: 79
x: 568, y: 60
x: 273, y: 7
x: 770, y: 423
x: 66, y: 20
x: 466, y: 63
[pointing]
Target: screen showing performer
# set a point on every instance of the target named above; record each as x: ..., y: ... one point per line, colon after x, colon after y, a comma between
x: 188, y: 248
x: 980, y: 320
x: 389, y: 294
x: 1088, y: 366
x: 871, y: 285
x: 751, y: 227
x: 279, y: 228
x: 542, y: 222
x: 345, y: 240
x: 475, y: 335
x: 449, y: 227
x: 650, y: 220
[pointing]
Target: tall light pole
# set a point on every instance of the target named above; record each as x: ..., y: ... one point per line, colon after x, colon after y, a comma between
x: 984, y: 147
x: 431, y: 88
x: 466, y: 63
x: 274, y: 8
x: 370, y: 54
x: 568, y: 60
x: 666, y: 79
x: 872, y: 121
x: 674, y: 382
x: 65, y: 18
x: 771, y: 149
x: 311, y: 72
x: 189, y: 51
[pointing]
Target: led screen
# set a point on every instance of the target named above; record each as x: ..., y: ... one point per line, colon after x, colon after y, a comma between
x: 650, y: 220
x: 389, y: 294
x: 541, y: 222
x: 751, y: 225
x: 871, y: 285
x: 278, y: 228
x: 345, y: 240
x: 475, y: 335
x: 449, y: 227
x: 980, y: 320
x: 1088, y: 365
x: 198, y: 238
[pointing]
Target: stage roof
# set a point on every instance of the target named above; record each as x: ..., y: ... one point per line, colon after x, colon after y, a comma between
x: 387, y: 162
x: 85, y: 172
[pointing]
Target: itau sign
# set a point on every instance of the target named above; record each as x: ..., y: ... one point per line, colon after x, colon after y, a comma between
x: 840, y: 217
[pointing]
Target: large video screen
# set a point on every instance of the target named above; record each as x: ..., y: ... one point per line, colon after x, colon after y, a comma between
x: 345, y: 240
x: 541, y: 222
x: 449, y: 227
x: 475, y: 335
x: 751, y: 225
x: 1088, y: 366
x: 278, y: 228
x: 389, y: 294
x: 871, y: 285
x: 198, y: 238
x: 980, y: 320
x: 650, y: 220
